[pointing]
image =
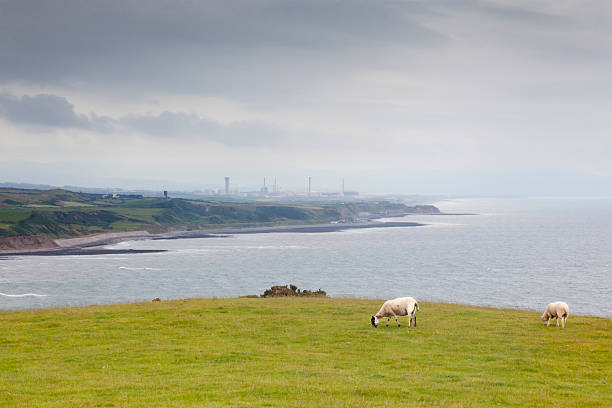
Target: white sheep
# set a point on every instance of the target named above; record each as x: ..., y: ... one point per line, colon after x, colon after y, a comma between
x: 405, y: 306
x: 560, y: 310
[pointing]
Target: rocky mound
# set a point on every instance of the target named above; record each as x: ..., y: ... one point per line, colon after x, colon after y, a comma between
x: 292, y: 290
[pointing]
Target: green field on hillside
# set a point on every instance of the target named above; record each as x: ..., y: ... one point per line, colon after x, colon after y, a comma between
x: 290, y: 352
x: 63, y: 214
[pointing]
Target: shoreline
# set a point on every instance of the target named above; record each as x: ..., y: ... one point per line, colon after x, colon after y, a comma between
x: 306, y: 228
x: 88, y: 245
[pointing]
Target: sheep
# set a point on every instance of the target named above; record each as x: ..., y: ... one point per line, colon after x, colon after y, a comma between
x: 560, y: 310
x: 405, y: 306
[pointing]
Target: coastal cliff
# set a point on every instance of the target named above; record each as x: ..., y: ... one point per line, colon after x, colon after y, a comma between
x: 26, y: 243
x: 40, y: 219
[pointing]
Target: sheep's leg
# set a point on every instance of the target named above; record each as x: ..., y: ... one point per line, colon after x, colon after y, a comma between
x: 397, y: 321
x: 557, y: 321
x: 414, y: 314
x: 388, y: 319
x: 563, y: 322
x: 548, y: 322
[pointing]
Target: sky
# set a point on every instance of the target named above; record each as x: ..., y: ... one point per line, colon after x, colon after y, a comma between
x: 459, y: 97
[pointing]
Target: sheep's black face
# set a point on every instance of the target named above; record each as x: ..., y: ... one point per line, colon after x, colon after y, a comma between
x: 374, y: 322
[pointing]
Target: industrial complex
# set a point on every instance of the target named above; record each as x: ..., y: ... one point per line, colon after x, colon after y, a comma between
x: 274, y: 191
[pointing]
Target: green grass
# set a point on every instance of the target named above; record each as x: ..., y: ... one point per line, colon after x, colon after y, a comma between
x: 39, y: 206
x: 74, y: 204
x: 145, y: 214
x: 13, y: 215
x: 299, y: 352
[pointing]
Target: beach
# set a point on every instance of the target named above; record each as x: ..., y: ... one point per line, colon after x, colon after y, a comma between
x: 91, y: 244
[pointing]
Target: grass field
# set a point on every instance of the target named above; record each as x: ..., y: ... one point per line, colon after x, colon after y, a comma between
x: 301, y: 353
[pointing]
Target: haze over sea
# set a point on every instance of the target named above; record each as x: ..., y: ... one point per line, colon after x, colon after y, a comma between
x: 516, y: 253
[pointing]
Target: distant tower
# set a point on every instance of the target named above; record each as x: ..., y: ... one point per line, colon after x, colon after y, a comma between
x: 166, y: 194
x: 227, y: 185
x: 274, y: 188
x: 309, y: 185
x: 342, y: 187
x: 264, y: 189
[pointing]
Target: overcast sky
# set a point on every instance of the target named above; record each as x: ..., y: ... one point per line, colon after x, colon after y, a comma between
x: 456, y: 96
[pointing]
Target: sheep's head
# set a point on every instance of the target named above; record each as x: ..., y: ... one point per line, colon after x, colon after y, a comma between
x: 545, y: 317
x: 374, y: 321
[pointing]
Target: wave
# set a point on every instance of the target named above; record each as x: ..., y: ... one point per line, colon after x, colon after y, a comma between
x: 139, y: 269
x: 22, y: 295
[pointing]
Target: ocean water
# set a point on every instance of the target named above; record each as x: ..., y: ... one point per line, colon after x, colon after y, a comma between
x: 516, y: 253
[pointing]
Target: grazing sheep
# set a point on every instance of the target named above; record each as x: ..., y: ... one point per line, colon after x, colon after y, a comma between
x: 560, y: 310
x: 405, y: 306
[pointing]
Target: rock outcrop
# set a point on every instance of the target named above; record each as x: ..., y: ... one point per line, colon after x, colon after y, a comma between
x: 292, y: 290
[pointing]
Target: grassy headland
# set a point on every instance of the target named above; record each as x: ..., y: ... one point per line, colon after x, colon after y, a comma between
x: 299, y: 352
x: 65, y: 214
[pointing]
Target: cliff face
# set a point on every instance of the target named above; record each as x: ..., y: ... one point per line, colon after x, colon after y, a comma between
x: 26, y: 242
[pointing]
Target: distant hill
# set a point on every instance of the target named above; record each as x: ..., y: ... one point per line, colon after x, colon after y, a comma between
x: 27, y: 186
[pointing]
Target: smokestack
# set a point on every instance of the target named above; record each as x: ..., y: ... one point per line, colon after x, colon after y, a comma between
x: 227, y: 185
x: 309, y: 184
x: 342, y: 187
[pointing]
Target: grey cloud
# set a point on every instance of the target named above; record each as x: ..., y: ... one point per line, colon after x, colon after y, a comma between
x: 48, y: 110
x: 181, y: 124
x: 83, y: 28
x: 516, y: 13
x: 270, y: 50
x: 57, y: 112
x: 169, y: 124
x: 232, y: 47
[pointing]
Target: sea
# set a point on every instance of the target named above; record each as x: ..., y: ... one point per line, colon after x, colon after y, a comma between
x: 509, y: 252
